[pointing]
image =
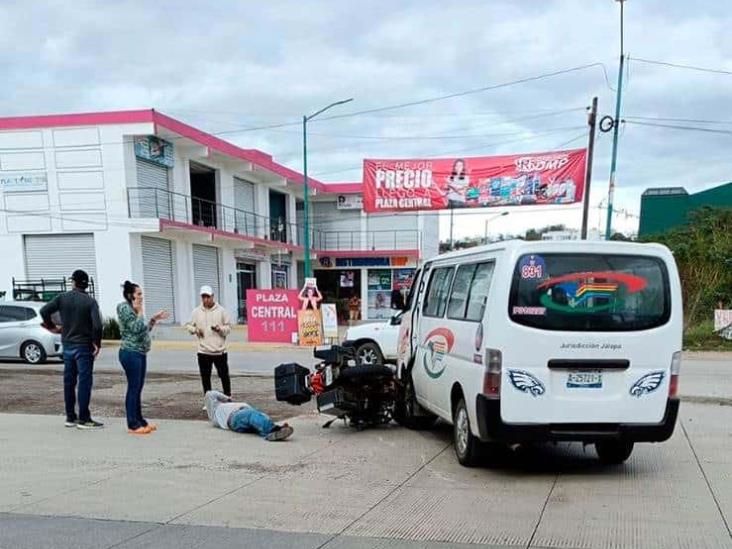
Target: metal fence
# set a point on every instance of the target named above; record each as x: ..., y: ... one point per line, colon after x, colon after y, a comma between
x: 147, y: 202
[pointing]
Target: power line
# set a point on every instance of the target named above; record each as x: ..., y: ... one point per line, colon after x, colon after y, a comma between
x: 678, y: 127
x: 481, y: 147
x: 466, y: 92
x: 691, y: 120
x: 680, y: 66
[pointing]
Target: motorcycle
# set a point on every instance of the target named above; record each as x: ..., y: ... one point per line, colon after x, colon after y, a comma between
x: 362, y: 395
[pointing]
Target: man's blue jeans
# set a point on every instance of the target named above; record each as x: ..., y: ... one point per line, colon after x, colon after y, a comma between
x: 135, y: 367
x: 251, y: 420
x: 78, y: 367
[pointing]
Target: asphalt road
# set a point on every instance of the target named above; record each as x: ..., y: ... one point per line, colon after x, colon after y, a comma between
x: 254, y: 362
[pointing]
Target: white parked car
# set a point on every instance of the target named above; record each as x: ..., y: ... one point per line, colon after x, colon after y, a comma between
x: 376, y: 342
x: 21, y: 333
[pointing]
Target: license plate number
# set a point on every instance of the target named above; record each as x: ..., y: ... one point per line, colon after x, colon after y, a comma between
x: 584, y: 380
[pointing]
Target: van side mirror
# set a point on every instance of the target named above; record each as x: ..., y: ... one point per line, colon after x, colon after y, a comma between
x: 396, y: 320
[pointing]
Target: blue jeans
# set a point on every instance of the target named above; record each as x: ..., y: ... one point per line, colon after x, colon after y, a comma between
x: 135, y: 367
x: 251, y: 420
x: 78, y: 367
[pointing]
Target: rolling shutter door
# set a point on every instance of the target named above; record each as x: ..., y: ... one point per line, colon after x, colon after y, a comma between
x: 59, y: 255
x: 244, y: 203
x: 157, y: 266
x: 206, y: 269
x: 153, y: 198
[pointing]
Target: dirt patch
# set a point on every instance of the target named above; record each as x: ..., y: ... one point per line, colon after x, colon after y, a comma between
x: 165, y: 396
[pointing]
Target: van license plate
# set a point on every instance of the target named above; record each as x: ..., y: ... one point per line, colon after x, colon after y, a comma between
x: 584, y: 380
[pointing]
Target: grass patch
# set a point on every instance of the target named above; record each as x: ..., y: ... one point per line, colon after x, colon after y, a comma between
x: 701, y: 337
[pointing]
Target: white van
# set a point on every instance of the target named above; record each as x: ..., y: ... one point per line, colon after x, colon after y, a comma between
x: 541, y: 341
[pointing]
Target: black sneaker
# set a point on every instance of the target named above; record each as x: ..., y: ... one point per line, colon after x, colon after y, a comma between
x: 279, y: 433
x: 70, y: 423
x: 88, y: 425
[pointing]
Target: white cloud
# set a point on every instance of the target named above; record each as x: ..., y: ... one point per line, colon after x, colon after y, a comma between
x: 234, y: 64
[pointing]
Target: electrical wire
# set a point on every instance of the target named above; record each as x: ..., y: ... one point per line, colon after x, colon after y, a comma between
x: 678, y: 127
x: 690, y: 120
x: 681, y: 66
x: 481, y: 147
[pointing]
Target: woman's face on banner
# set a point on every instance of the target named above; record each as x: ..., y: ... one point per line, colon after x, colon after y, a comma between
x: 459, y: 167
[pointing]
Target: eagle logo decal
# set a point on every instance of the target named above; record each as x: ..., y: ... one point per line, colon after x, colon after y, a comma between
x: 647, y: 384
x: 526, y: 382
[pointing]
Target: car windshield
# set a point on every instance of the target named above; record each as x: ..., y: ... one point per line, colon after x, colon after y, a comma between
x: 590, y: 292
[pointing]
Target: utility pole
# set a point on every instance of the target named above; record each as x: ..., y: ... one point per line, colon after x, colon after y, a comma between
x: 485, y: 228
x: 306, y: 201
x: 592, y: 121
x: 616, y: 127
x: 452, y: 213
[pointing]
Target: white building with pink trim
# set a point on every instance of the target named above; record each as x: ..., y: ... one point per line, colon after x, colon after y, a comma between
x: 139, y: 195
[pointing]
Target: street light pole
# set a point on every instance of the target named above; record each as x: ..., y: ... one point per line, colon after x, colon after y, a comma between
x: 306, y: 201
x: 485, y: 234
x: 616, y: 127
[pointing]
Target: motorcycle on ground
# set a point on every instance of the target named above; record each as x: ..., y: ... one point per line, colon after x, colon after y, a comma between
x: 362, y: 395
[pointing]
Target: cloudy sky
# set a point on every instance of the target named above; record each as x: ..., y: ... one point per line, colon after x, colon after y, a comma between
x: 232, y: 66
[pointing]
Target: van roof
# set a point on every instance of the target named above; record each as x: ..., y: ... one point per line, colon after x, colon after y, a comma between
x: 538, y: 246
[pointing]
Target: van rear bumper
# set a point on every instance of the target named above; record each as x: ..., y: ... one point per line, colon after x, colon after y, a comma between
x: 492, y: 427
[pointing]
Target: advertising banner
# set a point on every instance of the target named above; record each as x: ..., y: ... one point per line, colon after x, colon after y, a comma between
x: 349, y: 202
x: 330, y: 320
x: 309, y: 328
x: 523, y: 179
x: 272, y: 315
x: 154, y: 149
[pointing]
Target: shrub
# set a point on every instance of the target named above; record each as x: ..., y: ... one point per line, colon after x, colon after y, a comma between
x: 110, y: 329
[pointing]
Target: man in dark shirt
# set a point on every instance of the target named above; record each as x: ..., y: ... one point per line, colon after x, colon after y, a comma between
x: 81, y: 336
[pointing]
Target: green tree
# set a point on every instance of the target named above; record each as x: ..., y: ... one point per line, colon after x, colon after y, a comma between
x: 701, y: 249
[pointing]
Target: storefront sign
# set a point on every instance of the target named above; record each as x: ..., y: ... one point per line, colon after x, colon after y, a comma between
x: 154, y: 149
x: 362, y: 262
x: 23, y: 182
x: 330, y: 320
x: 309, y: 328
x: 525, y: 179
x: 349, y: 202
x: 272, y: 315
x: 253, y: 255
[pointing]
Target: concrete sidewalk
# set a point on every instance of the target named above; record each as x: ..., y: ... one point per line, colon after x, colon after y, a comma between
x: 382, y: 486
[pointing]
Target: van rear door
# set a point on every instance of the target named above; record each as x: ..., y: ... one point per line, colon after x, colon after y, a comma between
x: 591, y: 339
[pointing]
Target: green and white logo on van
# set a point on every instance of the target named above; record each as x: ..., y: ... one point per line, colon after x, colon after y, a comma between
x: 438, y: 343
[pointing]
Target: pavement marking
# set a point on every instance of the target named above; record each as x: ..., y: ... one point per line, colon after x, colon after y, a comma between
x: 706, y: 479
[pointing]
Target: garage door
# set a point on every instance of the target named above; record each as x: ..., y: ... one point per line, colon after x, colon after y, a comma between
x: 59, y: 255
x: 246, y: 221
x: 157, y: 266
x: 206, y: 269
x: 153, y: 198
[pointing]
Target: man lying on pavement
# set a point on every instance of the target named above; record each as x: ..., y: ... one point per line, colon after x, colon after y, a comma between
x: 242, y: 418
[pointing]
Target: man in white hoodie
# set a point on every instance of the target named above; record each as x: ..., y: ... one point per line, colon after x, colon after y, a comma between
x: 211, y: 324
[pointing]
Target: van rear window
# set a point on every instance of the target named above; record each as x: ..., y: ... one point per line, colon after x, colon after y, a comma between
x: 590, y: 292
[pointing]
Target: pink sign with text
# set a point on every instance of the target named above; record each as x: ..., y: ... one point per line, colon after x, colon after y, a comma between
x: 272, y: 315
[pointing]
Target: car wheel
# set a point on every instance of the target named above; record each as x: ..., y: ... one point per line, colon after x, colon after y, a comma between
x: 369, y: 354
x: 467, y: 446
x: 407, y: 408
x: 33, y: 353
x: 614, y: 452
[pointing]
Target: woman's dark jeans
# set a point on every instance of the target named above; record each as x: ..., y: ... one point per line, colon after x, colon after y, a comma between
x: 135, y: 367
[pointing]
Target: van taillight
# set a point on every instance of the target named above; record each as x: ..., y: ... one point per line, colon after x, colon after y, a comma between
x: 673, y: 385
x: 492, y: 376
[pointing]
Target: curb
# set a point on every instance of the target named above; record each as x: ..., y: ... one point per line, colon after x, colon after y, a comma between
x: 241, y: 346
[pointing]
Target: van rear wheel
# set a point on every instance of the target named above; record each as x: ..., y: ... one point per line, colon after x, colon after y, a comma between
x: 468, y: 448
x: 614, y: 452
